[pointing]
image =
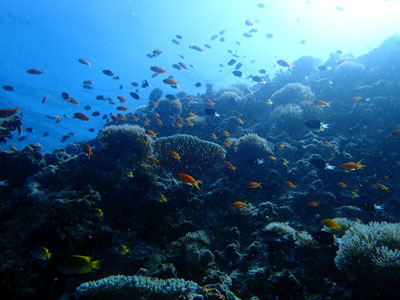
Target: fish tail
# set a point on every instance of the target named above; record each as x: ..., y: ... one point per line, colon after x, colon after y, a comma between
x: 196, y: 184
x: 96, y: 264
x: 17, y: 109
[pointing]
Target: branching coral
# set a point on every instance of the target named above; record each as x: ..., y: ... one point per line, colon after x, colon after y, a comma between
x: 195, y: 154
x: 136, y: 287
x: 369, y: 246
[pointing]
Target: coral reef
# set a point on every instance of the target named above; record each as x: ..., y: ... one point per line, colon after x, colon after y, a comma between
x: 292, y: 93
x: 288, y: 117
x: 137, y: 286
x: 251, y: 147
x: 7, y: 126
x: 196, y: 155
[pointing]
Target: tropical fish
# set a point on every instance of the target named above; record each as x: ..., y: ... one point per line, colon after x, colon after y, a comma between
x: 331, y: 224
x: 382, y: 187
x: 226, y: 133
x: 341, y: 184
x: 352, y: 166
x: 209, y: 101
x: 84, y: 62
x: 135, y: 96
x: 230, y: 166
x: 192, y: 115
x: 284, y: 63
x: 227, y: 143
x: 175, y: 155
x: 8, y: 112
x: 41, y: 253
x: 151, y: 133
x: 78, y: 264
x: 214, y: 136
x: 98, y: 212
x: 212, y: 112
x: 110, y: 73
x: 316, y: 125
x: 395, y: 133
x: 321, y: 164
x: 231, y: 62
x: 197, y: 48
x: 81, y: 116
x: 237, y: 73
x: 239, y: 204
x: 185, y: 178
x: 122, y: 108
x: 198, y: 84
x: 122, y: 99
x: 65, y: 137
x: 250, y: 23
x: 122, y: 249
x: 322, y: 103
x: 87, y: 150
x: 254, y: 185
x: 269, y: 102
x: 313, y: 204
x: 327, y: 143
x: 171, y: 82
x: 290, y: 184
x: 240, y: 121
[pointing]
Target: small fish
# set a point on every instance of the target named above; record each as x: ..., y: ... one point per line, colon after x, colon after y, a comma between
x: 269, y: 35
x: 322, y: 103
x: 214, y: 136
x: 44, y: 98
x: 110, y: 73
x: 281, y: 147
x: 198, y: 84
x: 313, y: 204
x: 271, y: 157
x: 13, y: 148
x: 29, y: 129
x: 175, y: 155
x: 222, y: 39
x: 122, y: 108
x: 302, y: 42
x: 290, y: 184
x: 176, y: 66
x: 95, y: 113
x: 323, y: 68
x: 230, y: 166
x: 78, y: 264
x: 382, y: 187
x: 231, y: 62
x: 175, y: 42
x: 240, y: 121
x: 260, y: 161
x: 209, y: 101
x: 284, y: 63
x: 269, y: 102
x: 178, y: 36
x: 250, y: 23
x: 65, y: 137
x: 226, y: 133
x: 183, y: 66
x: 192, y: 115
x: 145, y: 84
x: 34, y: 72
x: 237, y: 73
x: 99, y: 213
x: 327, y: 143
x: 321, y: 164
x: 341, y: 184
x: 316, y: 125
x: 135, y: 96
x: 81, y: 116
x: 254, y: 185
x: 197, y: 48
x: 260, y: 5
x: 239, y: 204
x: 87, y: 150
x: 187, y: 179
x: 358, y: 98
x: 122, y: 249
x: 8, y: 88
x: 171, y: 82
x: 331, y: 224
x: 207, y: 46
x: 212, y: 112
x: 46, y: 134
x: 258, y: 79
x: 151, y: 133
x: 352, y: 166
x: 8, y: 112
x: 84, y: 62
x: 41, y: 253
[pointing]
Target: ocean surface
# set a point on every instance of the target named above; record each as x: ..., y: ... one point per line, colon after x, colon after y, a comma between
x: 199, y: 149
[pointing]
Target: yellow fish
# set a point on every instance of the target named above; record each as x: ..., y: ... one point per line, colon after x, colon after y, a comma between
x: 98, y: 212
x: 331, y: 224
x: 130, y: 175
x: 41, y: 253
x: 78, y: 264
x: 122, y: 249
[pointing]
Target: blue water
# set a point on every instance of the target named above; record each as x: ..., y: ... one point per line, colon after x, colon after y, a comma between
x: 117, y: 35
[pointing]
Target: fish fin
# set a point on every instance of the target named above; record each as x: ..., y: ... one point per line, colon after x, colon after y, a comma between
x: 197, y: 184
x: 96, y: 264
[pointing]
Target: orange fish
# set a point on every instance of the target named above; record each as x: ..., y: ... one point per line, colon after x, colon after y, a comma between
x: 171, y: 82
x: 192, y: 115
x: 209, y: 101
x: 185, y: 178
x: 122, y: 108
x: 322, y: 103
x: 159, y: 122
x: 383, y: 187
x: 214, y: 136
x: 121, y: 116
x: 240, y: 121
x: 226, y: 133
x: 177, y: 104
x: 230, y: 166
x: 154, y: 160
x: 175, y: 155
x: 146, y: 123
x: 152, y: 103
x: 386, y: 177
x: 254, y: 185
x: 239, y: 204
x: 115, y: 119
x: 341, y: 184
x: 134, y: 118
x: 122, y: 99
x: 81, y: 116
x: 313, y: 204
x: 177, y: 124
x: 151, y: 133
x: 73, y: 101
x: 357, y: 98
x: 157, y: 70
x: 88, y: 151
x: 227, y: 143
x: 281, y: 146
x: 329, y: 144
x: 284, y: 63
x: 188, y: 122
x: 8, y: 112
x: 179, y: 118
x: 290, y: 184
x: 352, y: 166
x: 57, y: 118
x: 271, y: 157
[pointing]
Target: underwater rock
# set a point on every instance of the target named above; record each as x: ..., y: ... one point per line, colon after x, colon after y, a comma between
x: 7, y: 126
x: 168, y: 109
x: 349, y: 74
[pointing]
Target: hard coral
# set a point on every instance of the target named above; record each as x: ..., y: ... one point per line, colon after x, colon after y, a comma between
x: 292, y: 93
x: 251, y: 147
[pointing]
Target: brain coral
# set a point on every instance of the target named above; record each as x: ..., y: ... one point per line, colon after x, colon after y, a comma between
x: 195, y: 154
x: 293, y: 93
x: 125, y: 140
